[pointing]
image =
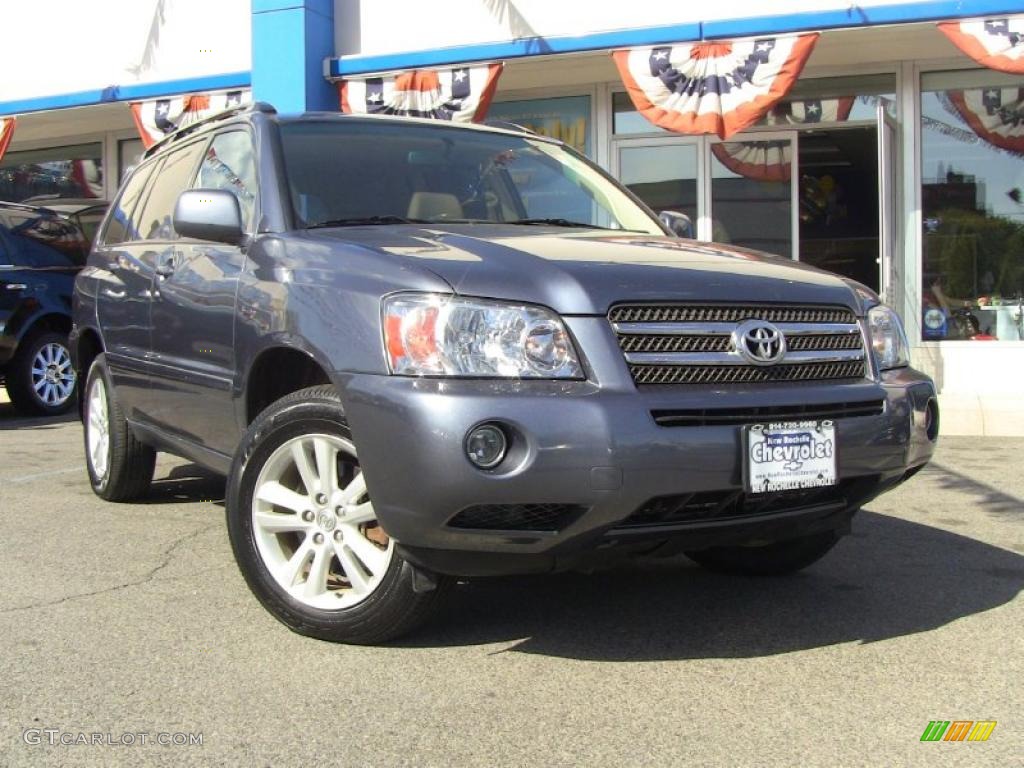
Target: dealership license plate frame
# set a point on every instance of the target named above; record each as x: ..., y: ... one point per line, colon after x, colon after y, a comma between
x: 813, y: 472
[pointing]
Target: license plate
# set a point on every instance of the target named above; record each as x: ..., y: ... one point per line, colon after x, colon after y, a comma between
x: 790, y: 456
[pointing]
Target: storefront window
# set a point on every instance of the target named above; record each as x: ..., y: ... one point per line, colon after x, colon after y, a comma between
x: 38, y: 175
x: 566, y: 118
x: 834, y: 100
x: 129, y: 154
x: 972, y: 194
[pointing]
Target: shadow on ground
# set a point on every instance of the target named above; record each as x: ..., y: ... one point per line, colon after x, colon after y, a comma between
x: 890, y: 578
x: 11, y: 419
x: 186, y: 482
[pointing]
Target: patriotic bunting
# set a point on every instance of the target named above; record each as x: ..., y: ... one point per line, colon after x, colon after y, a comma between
x: 809, y: 111
x: 993, y: 43
x: 712, y: 87
x: 159, y: 117
x: 6, y: 133
x: 461, y: 94
x: 994, y: 114
x: 757, y: 160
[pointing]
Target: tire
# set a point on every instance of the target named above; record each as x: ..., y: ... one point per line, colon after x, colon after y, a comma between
x: 325, y: 573
x: 120, y: 467
x: 776, y: 559
x: 40, y: 379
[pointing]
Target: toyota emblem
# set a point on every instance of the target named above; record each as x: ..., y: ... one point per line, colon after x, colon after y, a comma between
x: 759, y: 342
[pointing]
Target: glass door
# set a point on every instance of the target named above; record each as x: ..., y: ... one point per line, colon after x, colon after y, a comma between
x: 663, y: 173
x: 753, y: 192
x: 888, y: 280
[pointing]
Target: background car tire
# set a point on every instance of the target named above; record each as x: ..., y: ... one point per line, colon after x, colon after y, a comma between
x: 776, y: 559
x: 23, y: 375
x: 391, y: 609
x: 130, y: 464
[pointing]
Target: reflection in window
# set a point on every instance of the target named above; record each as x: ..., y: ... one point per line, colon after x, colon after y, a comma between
x: 751, y: 200
x: 230, y: 164
x: 38, y: 175
x: 973, y: 208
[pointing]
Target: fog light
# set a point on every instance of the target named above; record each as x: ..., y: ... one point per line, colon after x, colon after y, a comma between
x: 486, y: 446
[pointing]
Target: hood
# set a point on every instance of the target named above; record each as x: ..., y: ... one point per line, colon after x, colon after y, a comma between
x: 585, y: 272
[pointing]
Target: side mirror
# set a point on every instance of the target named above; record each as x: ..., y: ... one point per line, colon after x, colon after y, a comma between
x: 209, y: 214
x: 679, y: 224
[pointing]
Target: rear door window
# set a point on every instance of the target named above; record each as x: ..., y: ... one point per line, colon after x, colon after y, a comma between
x: 174, y: 177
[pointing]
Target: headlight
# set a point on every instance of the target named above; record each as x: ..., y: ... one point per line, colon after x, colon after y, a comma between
x: 428, y: 334
x: 888, y: 338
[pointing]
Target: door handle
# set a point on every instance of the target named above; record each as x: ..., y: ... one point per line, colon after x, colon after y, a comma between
x: 114, y: 294
x: 16, y: 287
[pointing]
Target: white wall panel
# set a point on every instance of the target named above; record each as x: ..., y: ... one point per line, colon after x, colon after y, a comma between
x: 64, y: 46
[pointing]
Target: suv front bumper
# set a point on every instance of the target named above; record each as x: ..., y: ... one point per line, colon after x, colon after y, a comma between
x: 599, y: 451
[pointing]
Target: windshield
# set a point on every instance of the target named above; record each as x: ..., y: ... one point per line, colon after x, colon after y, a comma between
x: 360, y: 172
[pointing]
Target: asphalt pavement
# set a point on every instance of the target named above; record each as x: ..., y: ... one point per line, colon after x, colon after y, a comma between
x: 124, y: 624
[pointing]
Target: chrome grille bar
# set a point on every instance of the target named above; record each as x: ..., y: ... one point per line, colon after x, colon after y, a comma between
x: 693, y: 344
x: 733, y: 358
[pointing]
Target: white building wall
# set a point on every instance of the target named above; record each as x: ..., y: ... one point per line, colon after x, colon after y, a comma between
x: 374, y: 27
x: 65, y: 46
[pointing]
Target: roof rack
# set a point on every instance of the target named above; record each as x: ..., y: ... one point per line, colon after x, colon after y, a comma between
x: 508, y: 126
x: 256, y: 106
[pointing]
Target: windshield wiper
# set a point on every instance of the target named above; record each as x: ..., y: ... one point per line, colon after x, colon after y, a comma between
x: 365, y: 221
x: 555, y: 222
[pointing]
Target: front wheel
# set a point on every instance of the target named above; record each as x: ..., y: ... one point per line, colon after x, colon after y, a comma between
x: 775, y: 559
x: 305, y: 533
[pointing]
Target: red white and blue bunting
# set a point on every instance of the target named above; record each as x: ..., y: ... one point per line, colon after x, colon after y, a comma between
x: 993, y: 43
x: 996, y: 115
x: 811, y: 111
x: 6, y: 133
x: 757, y: 160
x: 460, y: 94
x: 712, y: 87
x: 157, y: 118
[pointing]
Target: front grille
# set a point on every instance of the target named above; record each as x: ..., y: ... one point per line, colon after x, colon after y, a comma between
x: 726, y: 313
x: 517, y: 517
x: 728, y: 504
x: 684, y: 344
x: 737, y: 374
x: 714, y: 417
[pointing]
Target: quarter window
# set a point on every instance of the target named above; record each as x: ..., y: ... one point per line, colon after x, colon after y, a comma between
x: 123, y: 224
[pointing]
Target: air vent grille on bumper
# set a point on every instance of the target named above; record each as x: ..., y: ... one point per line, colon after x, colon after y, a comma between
x: 517, y: 517
x: 724, y: 505
x: 714, y: 417
x: 694, y: 344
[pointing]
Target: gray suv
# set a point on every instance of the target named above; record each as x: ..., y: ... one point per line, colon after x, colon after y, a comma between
x: 423, y: 352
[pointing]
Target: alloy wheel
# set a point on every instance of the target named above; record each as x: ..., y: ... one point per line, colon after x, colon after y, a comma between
x: 53, y: 376
x: 314, y: 524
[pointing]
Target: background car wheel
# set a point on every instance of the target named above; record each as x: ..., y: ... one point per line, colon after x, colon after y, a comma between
x: 120, y: 467
x: 41, y: 379
x: 775, y: 559
x: 305, y: 533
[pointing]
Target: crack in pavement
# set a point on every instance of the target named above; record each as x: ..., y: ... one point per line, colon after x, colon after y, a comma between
x: 150, y: 575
